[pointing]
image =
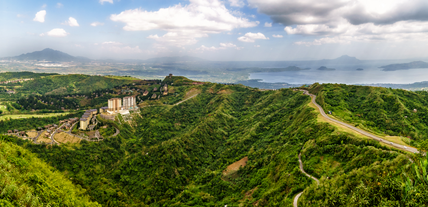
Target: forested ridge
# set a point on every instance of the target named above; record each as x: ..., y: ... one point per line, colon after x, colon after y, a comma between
x: 385, y: 111
x: 177, y: 156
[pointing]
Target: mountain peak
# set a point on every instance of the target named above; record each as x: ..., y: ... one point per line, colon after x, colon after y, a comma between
x: 49, y: 54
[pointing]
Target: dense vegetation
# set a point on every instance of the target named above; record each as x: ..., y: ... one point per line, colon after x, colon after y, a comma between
x: 33, y: 122
x: 176, y: 155
x: 381, y: 110
x: 22, y: 75
x: 51, y: 84
x: 25, y: 180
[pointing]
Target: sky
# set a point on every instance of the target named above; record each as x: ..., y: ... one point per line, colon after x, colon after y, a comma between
x: 225, y: 30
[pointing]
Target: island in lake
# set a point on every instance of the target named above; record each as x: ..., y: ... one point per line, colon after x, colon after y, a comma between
x: 325, y: 68
x: 360, y: 69
x: 405, y: 66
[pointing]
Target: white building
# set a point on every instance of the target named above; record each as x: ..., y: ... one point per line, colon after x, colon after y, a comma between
x: 129, y: 103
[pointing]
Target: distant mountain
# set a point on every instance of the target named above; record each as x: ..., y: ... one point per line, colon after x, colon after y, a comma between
x: 176, y: 59
x: 405, y: 66
x: 325, y: 68
x: 342, y: 60
x: 50, y: 55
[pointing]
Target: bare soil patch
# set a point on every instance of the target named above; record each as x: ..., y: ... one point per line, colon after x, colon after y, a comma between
x: 192, y: 92
x: 235, y: 166
x: 43, y: 139
x: 227, y: 91
x: 32, y: 134
x: 63, y: 137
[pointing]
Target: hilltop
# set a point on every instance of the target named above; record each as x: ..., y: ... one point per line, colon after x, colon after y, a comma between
x: 49, y: 55
x: 405, y: 66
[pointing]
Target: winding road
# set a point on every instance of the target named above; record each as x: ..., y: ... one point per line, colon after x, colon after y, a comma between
x: 372, y: 136
x: 365, y: 133
x: 296, y: 199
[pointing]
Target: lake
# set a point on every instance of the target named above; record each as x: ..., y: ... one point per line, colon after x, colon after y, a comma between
x: 367, y: 76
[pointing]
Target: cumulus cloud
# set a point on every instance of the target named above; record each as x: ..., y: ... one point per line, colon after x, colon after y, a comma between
x: 109, y: 1
x: 236, y: 3
x: 40, y: 16
x: 184, y: 24
x: 95, y: 24
x: 58, y: 32
x: 277, y: 36
x: 72, y: 22
x: 267, y: 24
x: 344, y: 21
x: 252, y: 37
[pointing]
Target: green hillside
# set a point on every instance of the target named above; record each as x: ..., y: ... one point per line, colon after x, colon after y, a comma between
x: 22, y: 75
x: 381, y: 110
x: 54, y: 84
x: 25, y: 180
x: 178, y: 156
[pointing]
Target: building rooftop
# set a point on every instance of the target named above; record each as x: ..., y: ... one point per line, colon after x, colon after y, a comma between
x: 83, y: 119
x: 105, y: 107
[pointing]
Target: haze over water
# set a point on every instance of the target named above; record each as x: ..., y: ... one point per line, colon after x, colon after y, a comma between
x: 367, y: 76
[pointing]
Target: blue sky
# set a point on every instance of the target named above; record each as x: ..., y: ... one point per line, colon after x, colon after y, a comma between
x: 217, y: 29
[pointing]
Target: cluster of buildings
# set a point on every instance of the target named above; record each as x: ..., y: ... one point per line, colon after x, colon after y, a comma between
x: 87, y: 118
x: 15, y: 131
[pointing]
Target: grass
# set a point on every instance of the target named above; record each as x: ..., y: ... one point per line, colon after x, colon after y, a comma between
x: 24, y: 116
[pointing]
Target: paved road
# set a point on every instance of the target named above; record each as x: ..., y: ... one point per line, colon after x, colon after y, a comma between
x: 398, y: 146
x: 310, y: 176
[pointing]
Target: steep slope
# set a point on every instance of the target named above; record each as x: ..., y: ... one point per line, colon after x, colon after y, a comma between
x: 27, y: 181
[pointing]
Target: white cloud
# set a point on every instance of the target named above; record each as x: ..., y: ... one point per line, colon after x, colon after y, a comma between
x: 111, y: 43
x: 95, y: 24
x: 72, y: 22
x: 20, y: 15
x: 184, y: 24
x: 59, y: 5
x: 267, y: 24
x: 58, y: 32
x: 223, y: 46
x: 256, y: 45
x: 277, y: 36
x: 118, y: 47
x: 345, y: 21
x: 44, y: 6
x: 252, y: 37
x: 109, y: 1
x: 40, y: 16
x: 236, y: 3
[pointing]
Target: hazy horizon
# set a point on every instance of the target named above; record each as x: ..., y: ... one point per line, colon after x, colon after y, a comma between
x: 229, y: 30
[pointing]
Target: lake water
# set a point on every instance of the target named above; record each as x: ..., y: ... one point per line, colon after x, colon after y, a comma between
x: 367, y: 76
